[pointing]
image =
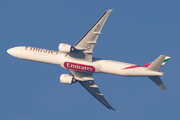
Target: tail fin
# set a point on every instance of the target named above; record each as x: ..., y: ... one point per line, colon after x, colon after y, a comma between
x: 164, y: 62
x: 155, y: 66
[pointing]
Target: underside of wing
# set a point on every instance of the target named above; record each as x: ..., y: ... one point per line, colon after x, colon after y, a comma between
x: 84, y: 47
x: 94, y: 90
x: 87, y: 81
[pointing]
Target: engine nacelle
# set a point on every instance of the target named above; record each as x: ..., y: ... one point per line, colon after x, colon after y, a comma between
x: 66, y: 48
x: 67, y: 79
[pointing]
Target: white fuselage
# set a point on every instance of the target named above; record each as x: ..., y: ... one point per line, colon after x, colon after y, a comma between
x: 96, y: 66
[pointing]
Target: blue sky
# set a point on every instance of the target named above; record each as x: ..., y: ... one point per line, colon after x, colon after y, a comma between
x: 135, y: 32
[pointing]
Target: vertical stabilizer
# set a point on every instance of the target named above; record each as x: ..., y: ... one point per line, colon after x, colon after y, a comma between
x: 156, y: 65
x: 165, y: 60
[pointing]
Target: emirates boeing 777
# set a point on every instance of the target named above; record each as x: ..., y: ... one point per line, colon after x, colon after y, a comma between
x: 78, y: 61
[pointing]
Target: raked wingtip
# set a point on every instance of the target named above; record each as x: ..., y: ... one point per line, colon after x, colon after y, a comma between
x: 110, y: 10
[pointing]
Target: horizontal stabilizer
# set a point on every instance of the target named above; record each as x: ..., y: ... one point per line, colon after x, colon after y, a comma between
x: 156, y: 65
x: 157, y: 81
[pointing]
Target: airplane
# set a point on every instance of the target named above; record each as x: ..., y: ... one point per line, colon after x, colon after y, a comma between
x: 78, y: 61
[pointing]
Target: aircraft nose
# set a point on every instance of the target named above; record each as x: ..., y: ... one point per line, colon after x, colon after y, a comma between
x: 16, y: 51
x: 10, y: 51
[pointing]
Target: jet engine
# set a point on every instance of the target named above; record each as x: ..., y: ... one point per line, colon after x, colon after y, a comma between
x: 67, y: 79
x: 66, y: 48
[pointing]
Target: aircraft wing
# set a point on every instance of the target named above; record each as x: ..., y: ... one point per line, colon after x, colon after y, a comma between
x: 87, y: 81
x: 84, y: 47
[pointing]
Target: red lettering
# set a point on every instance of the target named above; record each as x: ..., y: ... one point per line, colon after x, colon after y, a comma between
x: 41, y: 50
x: 27, y: 48
x: 33, y: 49
x: 54, y: 52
